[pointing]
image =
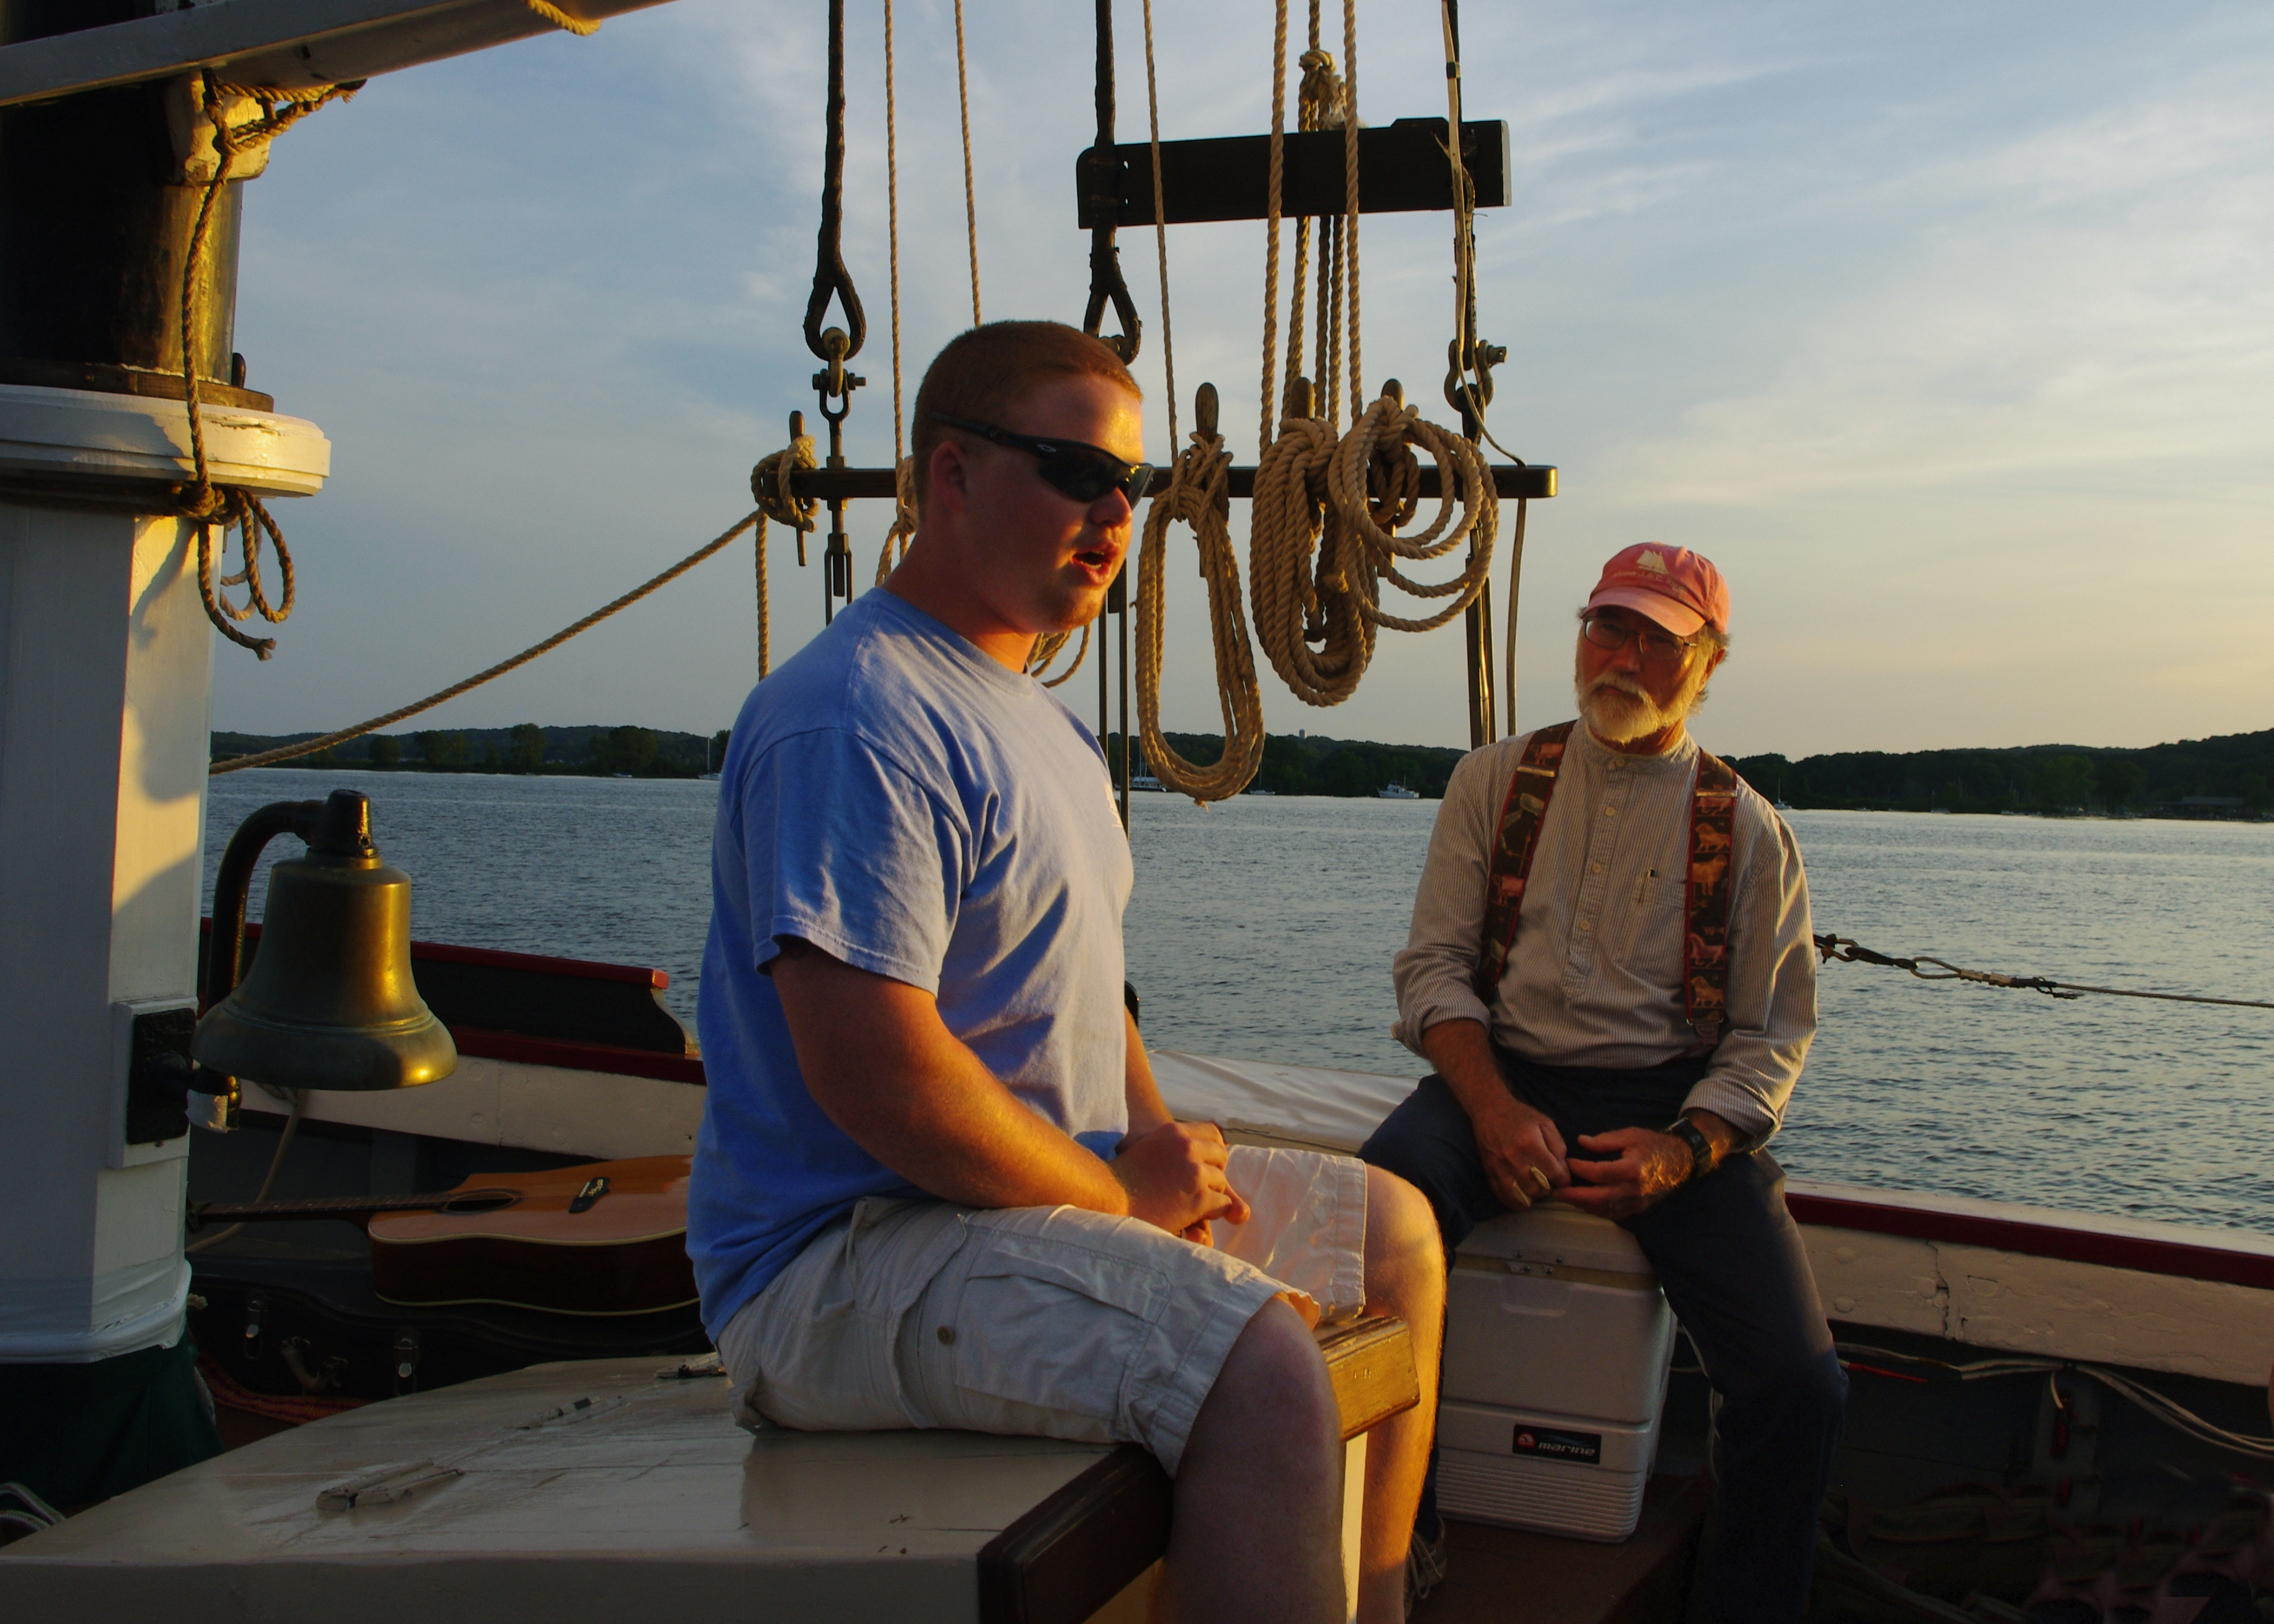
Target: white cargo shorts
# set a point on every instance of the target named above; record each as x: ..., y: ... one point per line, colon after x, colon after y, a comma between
x: 1048, y: 1321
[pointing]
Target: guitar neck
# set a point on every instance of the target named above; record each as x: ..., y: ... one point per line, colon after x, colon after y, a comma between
x: 349, y: 1207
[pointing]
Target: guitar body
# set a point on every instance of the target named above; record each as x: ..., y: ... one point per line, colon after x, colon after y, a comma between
x: 558, y: 1247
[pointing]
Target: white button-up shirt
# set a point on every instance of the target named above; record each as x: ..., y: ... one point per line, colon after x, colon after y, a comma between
x: 1596, y: 976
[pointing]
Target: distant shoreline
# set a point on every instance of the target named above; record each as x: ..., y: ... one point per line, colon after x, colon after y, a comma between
x: 2229, y: 777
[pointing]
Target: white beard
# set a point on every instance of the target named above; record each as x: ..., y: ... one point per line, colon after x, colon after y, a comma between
x: 1617, y: 712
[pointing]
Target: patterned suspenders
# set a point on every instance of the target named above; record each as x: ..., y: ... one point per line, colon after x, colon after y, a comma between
x: 1705, y: 911
x: 1520, y: 816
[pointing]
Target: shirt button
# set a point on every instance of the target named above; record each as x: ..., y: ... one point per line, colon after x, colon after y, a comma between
x: 1583, y: 923
x: 1595, y: 868
x: 1610, y: 811
x: 947, y: 1332
x: 1616, y: 765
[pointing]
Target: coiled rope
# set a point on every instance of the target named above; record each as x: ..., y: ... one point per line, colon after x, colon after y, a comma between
x: 1323, y: 534
x: 1200, y: 494
x: 1298, y: 581
x: 198, y: 499
x: 1373, y: 484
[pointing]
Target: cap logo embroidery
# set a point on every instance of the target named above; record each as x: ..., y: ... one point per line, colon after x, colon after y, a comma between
x: 1651, y: 561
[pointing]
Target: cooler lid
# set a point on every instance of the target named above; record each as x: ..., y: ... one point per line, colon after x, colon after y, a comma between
x: 1554, y: 1233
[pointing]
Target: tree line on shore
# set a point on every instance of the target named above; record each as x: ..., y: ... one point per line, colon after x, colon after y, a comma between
x: 625, y: 752
x: 2227, y: 776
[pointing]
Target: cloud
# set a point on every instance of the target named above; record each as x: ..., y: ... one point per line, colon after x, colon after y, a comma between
x: 1947, y: 331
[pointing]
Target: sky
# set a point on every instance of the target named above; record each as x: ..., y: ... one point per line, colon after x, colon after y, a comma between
x: 1946, y: 330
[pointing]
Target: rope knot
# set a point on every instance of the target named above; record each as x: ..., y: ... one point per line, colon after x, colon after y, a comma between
x: 770, y: 484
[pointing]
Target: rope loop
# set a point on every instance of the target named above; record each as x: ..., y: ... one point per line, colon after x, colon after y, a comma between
x: 198, y: 499
x: 1200, y: 494
x: 1299, y: 584
x: 1368, y: 484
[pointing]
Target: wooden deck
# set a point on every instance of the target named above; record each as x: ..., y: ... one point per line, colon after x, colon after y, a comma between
x: 1497, y: 1576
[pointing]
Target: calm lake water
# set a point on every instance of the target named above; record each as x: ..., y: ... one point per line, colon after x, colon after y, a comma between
x: 1263, y: 929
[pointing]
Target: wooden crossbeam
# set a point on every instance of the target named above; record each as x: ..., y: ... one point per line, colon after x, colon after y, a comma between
x: 1402, y: 169
x: 828, y: 485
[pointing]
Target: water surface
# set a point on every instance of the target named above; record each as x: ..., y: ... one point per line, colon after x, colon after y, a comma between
x: 1262, y: 927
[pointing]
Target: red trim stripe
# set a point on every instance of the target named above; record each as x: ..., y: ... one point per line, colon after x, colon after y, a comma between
x: 578, y: 1056
x: 2247, y: 1262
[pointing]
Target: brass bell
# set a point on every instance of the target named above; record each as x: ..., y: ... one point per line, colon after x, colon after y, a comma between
x: 330, y: 1001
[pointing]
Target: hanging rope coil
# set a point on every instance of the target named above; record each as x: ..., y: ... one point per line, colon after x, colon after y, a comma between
x: 1373, y: 483
x: 1200, y: 494
x: 198, y: 499
x: 1298, y: 582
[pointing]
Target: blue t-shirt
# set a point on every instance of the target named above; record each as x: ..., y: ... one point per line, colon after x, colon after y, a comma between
x: 915, y: 808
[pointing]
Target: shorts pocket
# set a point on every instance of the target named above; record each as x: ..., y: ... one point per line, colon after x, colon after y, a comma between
x: 1055, y: 1325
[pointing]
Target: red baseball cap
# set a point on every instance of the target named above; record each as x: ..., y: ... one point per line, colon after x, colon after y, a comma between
x: 1678, y: 588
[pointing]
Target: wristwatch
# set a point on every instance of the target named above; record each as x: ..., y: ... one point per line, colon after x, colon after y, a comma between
x: 1701, y: 1148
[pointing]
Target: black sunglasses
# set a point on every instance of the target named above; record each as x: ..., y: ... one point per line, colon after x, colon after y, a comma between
x: 1083, y: 472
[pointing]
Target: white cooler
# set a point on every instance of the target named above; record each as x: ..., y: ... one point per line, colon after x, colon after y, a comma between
x: 1558, y: 1343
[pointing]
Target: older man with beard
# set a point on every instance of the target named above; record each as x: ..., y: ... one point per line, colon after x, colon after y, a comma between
x: 1610, y: 970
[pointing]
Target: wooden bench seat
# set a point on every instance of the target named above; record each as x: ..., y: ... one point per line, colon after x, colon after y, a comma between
x: 600, y: 1488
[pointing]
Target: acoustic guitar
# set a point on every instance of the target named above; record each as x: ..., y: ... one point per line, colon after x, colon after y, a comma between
x: 602, y: 1237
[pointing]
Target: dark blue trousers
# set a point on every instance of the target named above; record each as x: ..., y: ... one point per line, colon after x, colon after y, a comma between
x: 1730, y: 1257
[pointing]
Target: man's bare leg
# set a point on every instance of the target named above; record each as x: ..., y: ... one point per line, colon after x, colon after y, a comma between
x: 1405, y: 1277
x: 1256, y: 1538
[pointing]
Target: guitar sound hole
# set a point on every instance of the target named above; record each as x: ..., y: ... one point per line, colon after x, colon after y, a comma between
x: 480, y: 1201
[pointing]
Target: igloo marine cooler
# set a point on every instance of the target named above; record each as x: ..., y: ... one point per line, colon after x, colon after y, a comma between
x: 1558, y: 1343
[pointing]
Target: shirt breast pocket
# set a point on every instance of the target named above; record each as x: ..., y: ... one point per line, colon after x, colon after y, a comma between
x: 1654, y: 927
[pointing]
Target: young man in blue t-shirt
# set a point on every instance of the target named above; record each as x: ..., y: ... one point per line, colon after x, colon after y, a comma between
x: 936, y: 1184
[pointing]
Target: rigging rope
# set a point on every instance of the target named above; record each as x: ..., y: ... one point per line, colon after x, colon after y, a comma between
x: 198, y: 499
x: 561, y: 19
x: 892, y: 238
x: 1200, y: 494
x: 309, y: 747
x: 970, y: 194
x: 1848, y: 951
x: 1160, y: 222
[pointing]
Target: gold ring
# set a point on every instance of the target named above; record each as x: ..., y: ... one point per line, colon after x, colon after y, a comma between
x: 1545, y: 1182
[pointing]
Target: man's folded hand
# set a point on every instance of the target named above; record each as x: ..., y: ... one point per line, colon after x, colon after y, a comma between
x: 1174, y: 1176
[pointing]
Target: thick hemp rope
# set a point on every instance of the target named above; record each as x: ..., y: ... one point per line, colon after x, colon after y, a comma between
x: 1200, y: 494
x: 198, y: 499
x: 1298, y: 552
x: 1380, y: 439
x: 970, y: 187
x: 561, y: 19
